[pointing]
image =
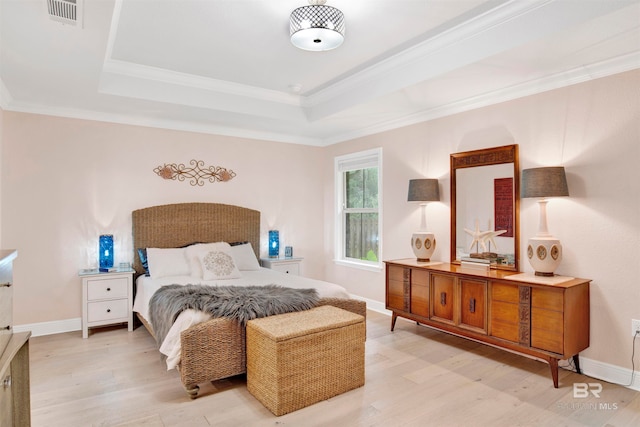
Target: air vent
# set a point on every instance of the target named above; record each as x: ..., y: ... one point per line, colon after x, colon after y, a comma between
x: 66, y: 11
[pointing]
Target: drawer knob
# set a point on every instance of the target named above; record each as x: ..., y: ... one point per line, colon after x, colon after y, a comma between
x: 7, y: 328
x: 6, y: 383
x: 5, y: 285
x: 108, y: 289
x: 108, y: 310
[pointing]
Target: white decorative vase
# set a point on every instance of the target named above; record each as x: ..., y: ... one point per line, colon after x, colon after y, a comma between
x: 423, y: 244
x: 545, y: 254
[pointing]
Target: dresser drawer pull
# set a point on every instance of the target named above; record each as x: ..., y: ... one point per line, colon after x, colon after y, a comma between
x: 7, y: 328
x: 5, y: 285
x: 108, y: 310
x: 443, y: 298
x: 472, y: 305
x: 108, y: 289
x: 6, y: 382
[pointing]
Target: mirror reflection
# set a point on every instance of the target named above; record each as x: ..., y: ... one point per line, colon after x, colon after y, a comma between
x: 484, y: 214
x: 485, y: 207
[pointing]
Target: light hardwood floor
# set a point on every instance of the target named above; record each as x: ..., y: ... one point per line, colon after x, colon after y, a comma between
x: 414, y: 377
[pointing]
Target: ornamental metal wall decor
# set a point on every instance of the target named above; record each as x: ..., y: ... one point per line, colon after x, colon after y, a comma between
x: 197, y: 174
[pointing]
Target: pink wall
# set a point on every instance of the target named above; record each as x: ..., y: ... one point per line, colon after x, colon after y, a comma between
x: 593, y: 129
x: 65, y: 181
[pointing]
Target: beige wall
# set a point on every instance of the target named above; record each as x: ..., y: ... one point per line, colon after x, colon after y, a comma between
x: 64, y: 181
x: 593, y: 129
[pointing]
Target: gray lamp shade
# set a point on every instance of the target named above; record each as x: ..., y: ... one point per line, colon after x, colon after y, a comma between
x: 423, y: 190
x: 544, y: 182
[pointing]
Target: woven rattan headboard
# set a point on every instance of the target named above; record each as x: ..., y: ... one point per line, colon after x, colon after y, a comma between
x: 172, y: 226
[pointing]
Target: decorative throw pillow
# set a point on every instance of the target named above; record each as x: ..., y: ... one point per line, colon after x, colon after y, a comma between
x: 244, y: 257
x: 167, y: 262
x: 193, y: 255
x: 142, y: 254
x: 218, y: 265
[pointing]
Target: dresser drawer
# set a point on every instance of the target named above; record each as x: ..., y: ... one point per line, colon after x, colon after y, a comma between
x: 107, y: 310
x: 99, y: 289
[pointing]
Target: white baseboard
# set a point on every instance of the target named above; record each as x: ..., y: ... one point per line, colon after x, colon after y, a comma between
x: 610, y: 373
x: 50, y: 328
x: 592, y: 368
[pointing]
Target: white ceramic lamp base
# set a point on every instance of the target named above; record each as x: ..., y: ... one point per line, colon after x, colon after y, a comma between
x: 423, y: 244
x: 545, y: 254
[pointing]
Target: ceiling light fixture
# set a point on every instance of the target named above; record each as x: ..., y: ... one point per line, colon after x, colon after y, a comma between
x: 316, y: 27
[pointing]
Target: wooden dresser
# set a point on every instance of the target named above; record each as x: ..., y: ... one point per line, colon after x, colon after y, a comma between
x: 547, y: 318
x: 15, y: 407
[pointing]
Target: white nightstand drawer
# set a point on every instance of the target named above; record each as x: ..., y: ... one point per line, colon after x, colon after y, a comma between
x: 107, y: 310
x: 98, y: 289
x: 289, y: 268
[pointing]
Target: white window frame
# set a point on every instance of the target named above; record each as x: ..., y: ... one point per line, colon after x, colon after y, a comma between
x: 349, y: 162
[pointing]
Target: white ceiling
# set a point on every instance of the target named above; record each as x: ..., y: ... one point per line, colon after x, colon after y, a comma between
x: 227, y: 66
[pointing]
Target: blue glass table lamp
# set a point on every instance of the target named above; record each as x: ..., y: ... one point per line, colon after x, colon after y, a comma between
x: 274, y: 244
x: 105, y: 254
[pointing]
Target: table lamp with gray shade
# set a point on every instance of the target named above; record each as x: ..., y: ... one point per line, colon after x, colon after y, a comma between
x: 544, y: 251
x: 423, y: 242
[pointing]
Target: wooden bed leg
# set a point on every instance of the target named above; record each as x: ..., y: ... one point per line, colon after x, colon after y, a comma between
x: 553, y: 364
x: 192, y: 391
x: 394, y: 317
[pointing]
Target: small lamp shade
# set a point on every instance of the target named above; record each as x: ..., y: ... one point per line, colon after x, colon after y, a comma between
x: 105, y: 254
x: 423, y: 190
x: 274, y: 244
x: 543, y: 250
x: 544, y: 182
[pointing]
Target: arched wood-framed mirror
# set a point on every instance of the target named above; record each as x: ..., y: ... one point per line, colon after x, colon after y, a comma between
x: 485, y: 197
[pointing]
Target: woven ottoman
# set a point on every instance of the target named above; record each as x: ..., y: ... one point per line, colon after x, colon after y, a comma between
x: 297, y: 359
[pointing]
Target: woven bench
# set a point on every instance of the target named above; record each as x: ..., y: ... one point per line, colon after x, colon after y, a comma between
x: 297, y: 359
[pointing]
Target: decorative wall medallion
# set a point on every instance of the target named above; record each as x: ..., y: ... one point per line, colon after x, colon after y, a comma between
x: 555, y: 252
x: 530, y: 251
x: 197, y: 173
x: 541, y: 252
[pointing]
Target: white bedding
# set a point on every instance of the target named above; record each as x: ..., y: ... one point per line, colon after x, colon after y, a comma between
x: 147, y: 286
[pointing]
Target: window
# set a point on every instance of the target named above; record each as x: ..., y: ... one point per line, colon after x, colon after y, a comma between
x: 358, y: 198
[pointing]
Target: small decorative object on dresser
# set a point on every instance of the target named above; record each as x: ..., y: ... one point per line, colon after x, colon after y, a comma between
x: 288, y: 251
x: 107, y: 298
x: 544, y: 251
x: 423, y: 242
x: 284, y: 265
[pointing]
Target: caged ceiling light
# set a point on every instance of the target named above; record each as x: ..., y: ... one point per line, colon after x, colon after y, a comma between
x: 316, y: 27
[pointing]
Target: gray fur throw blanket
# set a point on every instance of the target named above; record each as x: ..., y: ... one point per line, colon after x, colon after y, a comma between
x: 241, y: 303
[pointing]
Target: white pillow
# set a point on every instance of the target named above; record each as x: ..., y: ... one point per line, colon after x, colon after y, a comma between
x: 244, y: 257
x: 167, y: 262
x: 193, y: 255
x: 218, y: 264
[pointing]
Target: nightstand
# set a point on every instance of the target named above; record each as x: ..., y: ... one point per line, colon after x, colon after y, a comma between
x: 107, y: 298
x: 284, y: 265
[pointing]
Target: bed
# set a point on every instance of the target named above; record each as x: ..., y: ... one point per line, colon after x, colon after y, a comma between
x: 213, y: 349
